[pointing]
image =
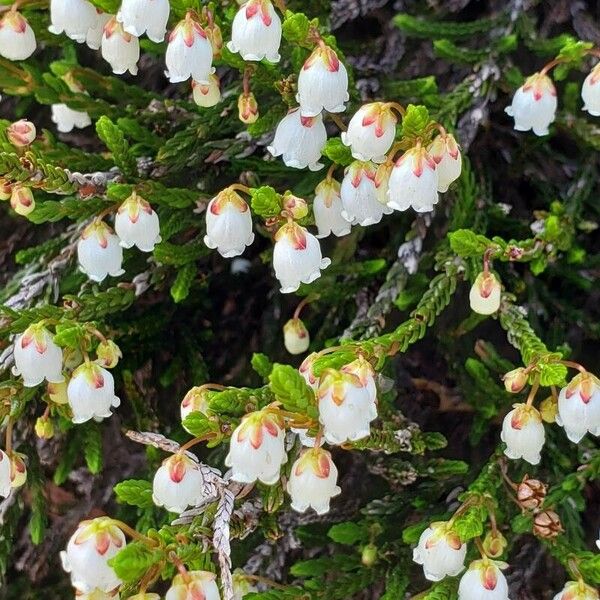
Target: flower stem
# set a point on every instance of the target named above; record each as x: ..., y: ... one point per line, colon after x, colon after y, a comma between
x: 534, y: 389
x: 132, y: 533
x: 239, y: 187
x: 195, y: 441
x: 552, y: 64
x: 338, y: 121
x: 269, y: 582
x: 573, y: 365
x: 9, y: 431
x: 180, y: 567
x: 397, y: 107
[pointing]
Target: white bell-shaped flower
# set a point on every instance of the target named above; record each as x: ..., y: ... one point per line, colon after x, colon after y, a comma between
x: 300, y: 140
x: 483, y: 580
x: 137, y: 224
x: 93, y: 39
x: 327, y: 209
x: 446, y: 154
x: 199, y: 585
x: 413, y: 182
x: 534, y: 105
x: 72, y: 17
x: 66, y: 119
x: 37, y: 357
x: 120, y: 49
x: 295, y: 336
x: 485, y: 294
x: 189, y: 52
x: 91, y: 393
x: 523, y: 433
x: 99, y: 252
x: 256, y: 448
x: 195, y: 400
x: 207, y: 94
x: 577, y: 590
x: 145, y: 16
x: 579, y: 407
x: 306, y: 370
x: 5, y: 487
x: 440, y: 551
x: 590, y: 92
x: 297, y: 257
x: 322, y: 83
x: 313, y: 481
x: 228, y: 224
x: 89, y: 549
x: 358, y: 192
x: 17, y: 39
x: 256, y: 31
x: 178, y: 483
x: 371, y: 132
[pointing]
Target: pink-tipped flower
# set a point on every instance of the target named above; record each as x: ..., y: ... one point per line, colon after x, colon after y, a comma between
x: 327, y: 209
x: 371, y: 132
x: 440, y: 551
x: 299, y: 140
x: 189, y: 52
x: 523, y: 433
x: 37, y: 357
x: 94, y: 35
x: 297, y: 257
x: 196, y: 585
x: 577, y: 590
x: 22, y: 200
x: 67, y: 119
x: 515, y: 380
x: 256, y: 448
x: 137, y: 224
x: 89, y: 549
x: 295, y: 336
x: 590, y: 92
x: 306, y: 370
x: 5, y: 470
x: 17, y: 39
x: 145, y: 16
x: 485, y: 294
x: 119, y: 48
x: 534, y: 105
x: 5, y: 189
x: 247, y: 108
x: 579, y: 407
x: 256, y: 31
x: 322, y: 83
x: 194, y: 401
x: 108, y: 354
x: 74, y: 18
x: 21, y: 133
x: 207, y: 94
x: 483, y: 580
x: 446, y: 154
x: 99, y: 252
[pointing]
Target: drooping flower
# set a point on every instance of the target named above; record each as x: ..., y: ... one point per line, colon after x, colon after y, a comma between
x: 189, y: 52
x: 579, y: 407
x: 5, y: 487
x: 215, y: 37
x: 306, y: 370
x: 137, y: 224
x: 485, y: 294
x: 523, y: 433
x: 66, y: 119
x: 494, y: 543
x: 327, y: 209
x: 72, y: 17
x: 483, y: 580
x: 91, y: 393
x: 94, y: 35
x: 18, y: 470
x: 119, y: 48
x: 382, y: 180
x: 590, y: 92
x: 199, y: 585
x: 247, y: 108
x: 145, y: 16
x: 37, y: 357
x: 99, y: 252
x: 440, y: 551
x: 194, y: 401
x: 322, y: 83
x: 446, y: 154
x: 534, y: 104
x: 297, y: 257
x: 17, y: 39
x: 295, y: 336
x: 22, y: 200
x: 577, y: 590
x: 515, y: 380
x: 256, y: 31
x: 108, y: 354
x: 21, y: 133
x: 44, y: 428
x: 89, y: 549
x: 371, y: 132
x: 207, y: 94
x: 360, y: 203
x: 57, y: 392
x: 228, y: 224
x: 299, y: 140
x: 256, y: 448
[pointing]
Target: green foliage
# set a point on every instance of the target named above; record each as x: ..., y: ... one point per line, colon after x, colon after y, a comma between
x: 336, y: 151
x: 266, y: 202
x: 135, y: 492
x: 442, y: 29
x: 115, y: 141
x: 291, y: 390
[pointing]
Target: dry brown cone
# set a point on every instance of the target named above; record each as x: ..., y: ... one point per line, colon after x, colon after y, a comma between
x: 531, y: 493
x: 547, y: 525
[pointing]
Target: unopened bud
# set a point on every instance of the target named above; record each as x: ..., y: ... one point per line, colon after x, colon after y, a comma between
x: 531, y: 493
x: 485, y: 294
x: 44, y: 428
x: 18, y: 470
x: 248, y: 108
x: 21, y: 133
x: 369, y: 555
x: 22, y: 200
x: 108, y: 354
x: 494, y: 544
x: 58, y: 392
x: 547, y: 525
x: 5, y: 189
x: 215, y: 37
x: 515, y: 380
x: 296, y: 207
x: 295, y: 336
x: 549, y: 409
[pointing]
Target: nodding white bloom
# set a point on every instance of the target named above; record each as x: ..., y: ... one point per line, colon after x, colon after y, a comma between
x: 371, y: 132
x: 5, y: 469
x: 228, y: 224
x: 590, y: 92
x: 413, y: 182
x: 382, y: 180
x: 145, y: 16
x: 189, y: 52
x: 347, y: 402
x: 446, y: 154
x: 579, y: 406
x: 295, y: 336
x: 358, y: 192
x: 72, y: 17
x: 577, y: 590
x: 89, y: 549
x: 21, y: 133
x: 299, y: 140
x: 18, y: 470
x: 91, y: 393
x: 327, y: 209
x: 297, y: 257
x: 247, y: 108
x: 534, y: 104
x: 108, y: 354
x: 241, y: 585
x: 256, y: 448
x: 256, y: 31
x: 137, y: 224
x: 306, y: 370
x: 485, y: 294
x: 199, y: 585
x: 37, y: 357
x: 313, y: 481
x: 99, y: 252
x: 440, y: 551
x: 22, y: 200
x: 178, y: 483
x: 207, y: 94
x: 484, y: 580
x: 195, y: 400
x: 94, y: 35
x: 66, y: 119
x: 322, y: 83
x: 17, y: 39
x: 119, y: 48
x: 523, y: 433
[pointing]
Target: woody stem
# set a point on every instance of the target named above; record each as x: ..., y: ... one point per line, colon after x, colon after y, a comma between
x: 9, y: 431
x: 487, y: 255
x: 533, y: 391
x: 246, y: 80
x: 195, y: 441
x: 338, y: 121
x: 180, y: 567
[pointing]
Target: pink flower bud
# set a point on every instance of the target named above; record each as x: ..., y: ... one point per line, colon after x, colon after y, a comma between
x: 17, y: 39
x: 18, y: 470
x: 108, y: 354
x: 485, y: 294
x: 515, y: 380
x: 294, y: 206
x: 247, y: 108
x: 296, y: 337
x: 207, y: 94
x: 21, y: 133
x: 22, y: 200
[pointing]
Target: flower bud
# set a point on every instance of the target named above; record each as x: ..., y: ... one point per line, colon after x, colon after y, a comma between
x: 44, y: 428
x: 18, y: 470
x: 327, y: 209
x: 119, y: 48
x: 137, y: 224
x: 577, y: 590
x: 99, y: 252
x: 215, y: 37
x: 108, y: 354
x: 66, y: 119
x: 37, y: 357
x: 196, y: 584
x: 313, y: 481
x: 72, y: 17
x: 93, y: 39
x: 294, y: 206
x: 534, y: 105
x: 446, y: 154
x: 368, y: 555
x: 5, y: 189
x: 247, y: 108
x: 531, y: 493
x: 21, y: 133
x: 382, y: 181
x: 579, y: 407
x: 17, y: 39
x: 57, y: 391
x: 494, y: 544
x: 483, y: 579
x: 207, y: 94
x: 256, y: 32
x: 440, y: 551
x: 242, y: 585
x: 485, y: 294
x: 515, y: 380
x: 523, y: 433
x: 547, y: 525
x: 549, y: 409
x: 590, y: 92
x: 145, y: 16
x: 22, y: 200
x: 194, y: 401
x: 5, y: 473
x: 295, y: 336
x: 306, y: 370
